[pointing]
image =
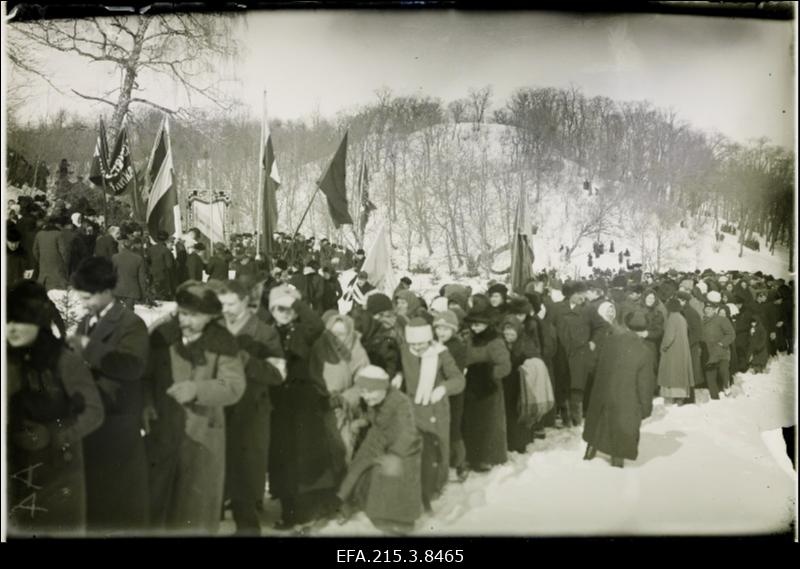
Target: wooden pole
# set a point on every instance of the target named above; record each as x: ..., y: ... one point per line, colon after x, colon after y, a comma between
x: 305, y: 213
x: 261, y: 174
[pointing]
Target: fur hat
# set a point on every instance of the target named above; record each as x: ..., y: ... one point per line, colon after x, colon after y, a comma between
x: 27, y: 302
x: 446, y: 318
x: 95, y: 274
x: 686, y: 284
x: 459, y: 298
x: 713, y: 297
x: 702, y: 286
x: 418, y: 331
x: 636, y: 321
x: 198, y: 297
x: 512, y: 322
x: 498, y: 288
x: 478, y: 315
x: 684, y: 295
x: 372, y: 378
x: 363, y: 275
x: 378, y: 302
x: 520, y: 306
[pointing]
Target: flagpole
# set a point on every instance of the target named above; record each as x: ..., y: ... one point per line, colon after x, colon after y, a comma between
x: 260, y: 207
x: 103, y: 178
x: 305, y: 213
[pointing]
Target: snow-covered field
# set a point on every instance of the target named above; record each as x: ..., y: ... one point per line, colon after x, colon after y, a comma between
x: 718, y: 467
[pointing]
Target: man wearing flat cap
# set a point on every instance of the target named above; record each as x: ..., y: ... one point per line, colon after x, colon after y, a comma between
x: 194, y: 373
x: 113, y: 341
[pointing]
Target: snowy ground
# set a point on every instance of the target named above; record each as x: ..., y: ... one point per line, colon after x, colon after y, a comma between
x: 718, y: 467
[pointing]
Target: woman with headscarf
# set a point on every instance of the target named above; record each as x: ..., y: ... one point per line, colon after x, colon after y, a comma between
x: 307, y: 455
x: 336, y: 357
x: 53, y: 403
x: 675, y: 373
x: 521, y: 346
x: 655, y: 314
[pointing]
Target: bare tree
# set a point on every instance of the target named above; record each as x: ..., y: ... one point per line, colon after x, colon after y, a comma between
x: 182, y: 48
x: 479, y: 100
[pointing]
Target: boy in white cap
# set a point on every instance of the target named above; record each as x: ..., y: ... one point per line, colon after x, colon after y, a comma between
x: 384, y: 477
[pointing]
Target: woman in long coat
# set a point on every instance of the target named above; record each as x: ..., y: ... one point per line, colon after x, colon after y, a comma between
x: 488, y: 362
x: 675, y: 373
x: 655, y: 314
x: 622, y: 395
x: 521, y: 346
x: 384, y: 478
x: 336, y: 356
x: 52, y: 404
x: 307, y: 455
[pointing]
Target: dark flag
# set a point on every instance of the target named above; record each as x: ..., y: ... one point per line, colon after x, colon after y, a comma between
x: 119, y: 175
x: 521, y: 263
x: 332, y: 185
x: 366, y: 205
x: 100, y: 158
x: 162, y: 197
x: 269, y: 220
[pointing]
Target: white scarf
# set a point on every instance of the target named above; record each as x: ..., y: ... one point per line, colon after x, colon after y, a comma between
x: 429, y: 365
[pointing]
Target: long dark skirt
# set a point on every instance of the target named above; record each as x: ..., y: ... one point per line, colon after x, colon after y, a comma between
x: 484, y: 418
x: 518, y: 435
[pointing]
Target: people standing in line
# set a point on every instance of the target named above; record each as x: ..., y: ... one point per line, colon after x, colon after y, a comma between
x: 113, y: 341
x: 53, y: 404
x: 195, y: 372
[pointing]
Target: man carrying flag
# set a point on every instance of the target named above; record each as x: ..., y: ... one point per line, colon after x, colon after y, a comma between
x: 270, y: 181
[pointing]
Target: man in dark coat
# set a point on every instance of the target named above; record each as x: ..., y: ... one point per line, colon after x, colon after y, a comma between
x: 694, y: 329
x: 331, y: 289
x: 217, y: 267
x: 310, y: 285
x: 114, y: 343
x: 131, y: 274
x: 195, y: 265
x: 247, y: 423
x: 73, y: 248
x: 574, y: 334
x: 107, y: 245
x: 26, y: 225
x: 622, y: 395
x: 49, y: 258
x: 162, y: 268
x: 16, y: 258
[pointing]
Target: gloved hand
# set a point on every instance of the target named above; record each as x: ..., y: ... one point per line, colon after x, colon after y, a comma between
x: 438, y: 394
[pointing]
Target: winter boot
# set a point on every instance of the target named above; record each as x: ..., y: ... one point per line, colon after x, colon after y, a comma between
x: 617, y: 462
x: 591, y: 452
x: 566, y: 421
x: 576, y: 412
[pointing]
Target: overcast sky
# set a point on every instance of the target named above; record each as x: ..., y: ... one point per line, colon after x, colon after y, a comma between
x: 734, y: 76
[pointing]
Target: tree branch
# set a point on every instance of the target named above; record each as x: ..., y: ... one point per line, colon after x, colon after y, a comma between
x: 91, y: 98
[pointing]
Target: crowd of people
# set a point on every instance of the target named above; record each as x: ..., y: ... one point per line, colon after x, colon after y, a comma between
x: 260, y: 381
